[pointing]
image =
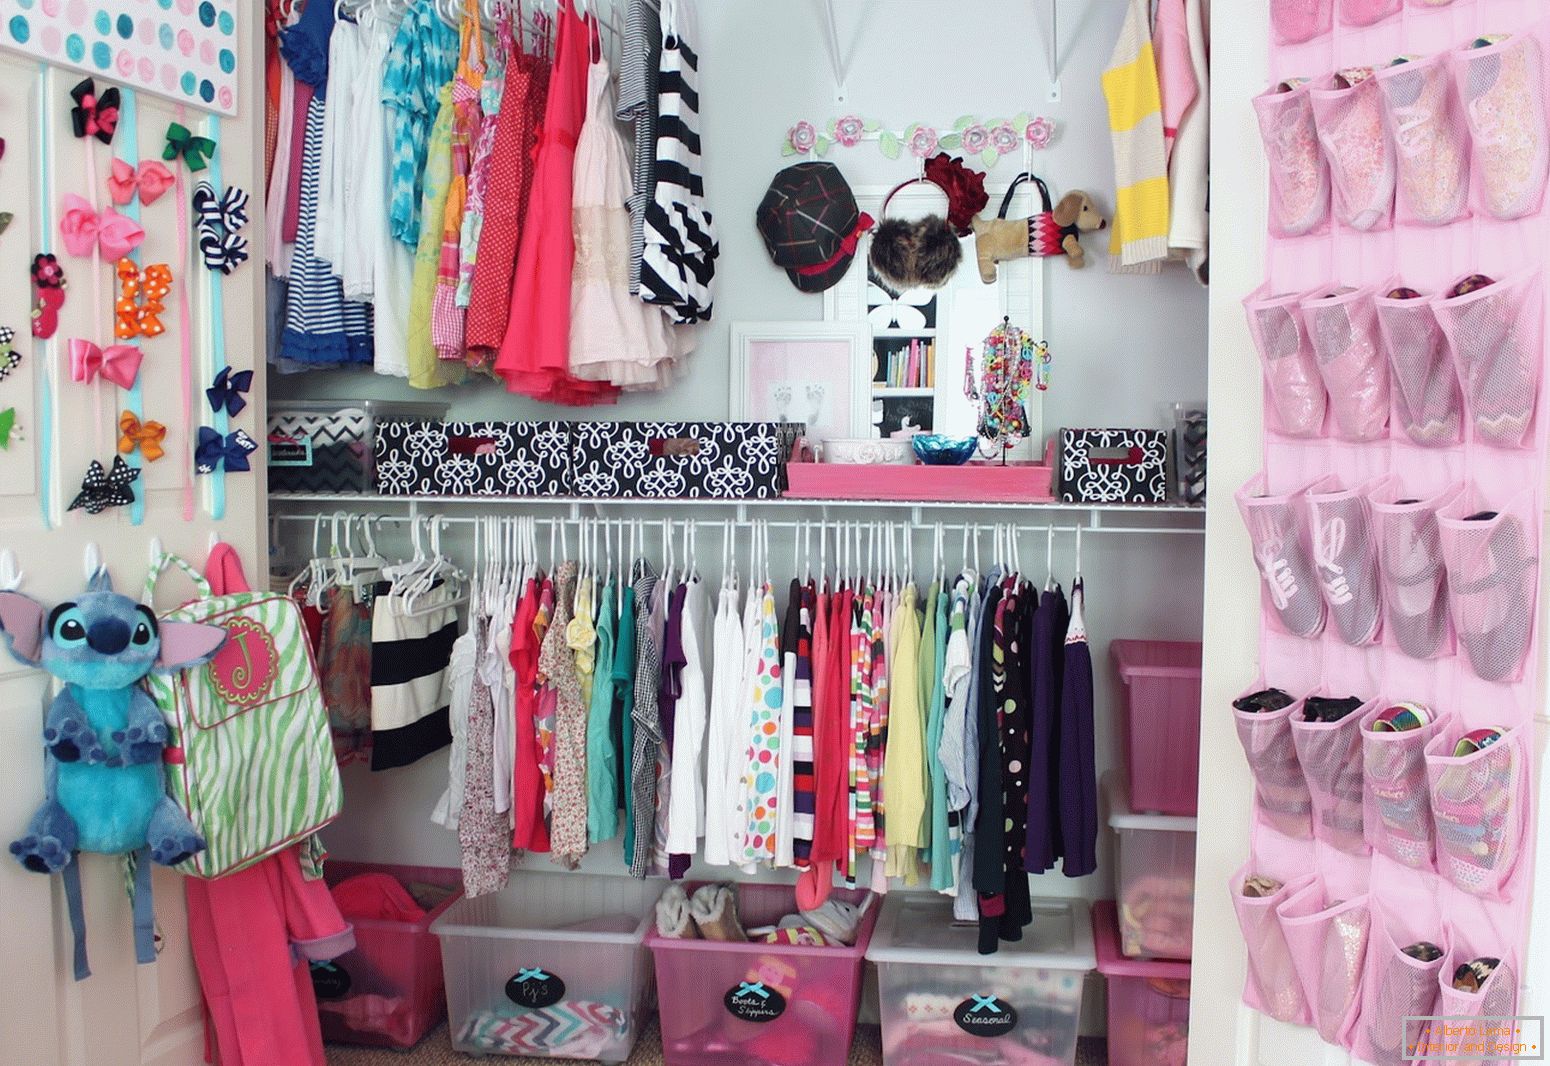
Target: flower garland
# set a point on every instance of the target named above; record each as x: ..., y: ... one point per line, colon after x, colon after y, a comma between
x: 989, y: 139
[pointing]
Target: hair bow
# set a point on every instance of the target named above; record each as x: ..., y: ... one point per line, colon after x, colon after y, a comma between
x: 10, y: 358
x: 93, y: 115
x: 102, y: 489
x: 220, y: 217
x: 227, y: 389
x: 150, y: 181
x: 118, y: 363
x: 83, y: 229
x: 9, y: 430
x: 232, y: 449
x: 137, y: 312
x: 196, y: 151
x: 147, y: 436
x: 48, y: 295
x: 6, y: 218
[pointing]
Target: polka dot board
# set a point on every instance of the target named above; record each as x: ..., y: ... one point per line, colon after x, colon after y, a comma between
x: 182, y: 49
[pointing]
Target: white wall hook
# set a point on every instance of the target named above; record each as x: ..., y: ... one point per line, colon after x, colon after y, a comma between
x: 10, y: 573
x: 92, y: 557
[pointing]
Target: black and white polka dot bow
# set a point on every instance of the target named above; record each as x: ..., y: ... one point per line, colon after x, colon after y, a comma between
x: 101, y: 489
x: 10, y: 358
x: 219, y: 219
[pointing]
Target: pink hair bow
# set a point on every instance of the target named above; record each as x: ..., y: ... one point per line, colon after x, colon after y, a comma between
x: 150, y: 181
x: 118, y: 363
x: 83, y: 229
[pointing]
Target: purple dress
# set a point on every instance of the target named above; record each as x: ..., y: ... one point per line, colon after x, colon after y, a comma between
x: 1078, y: 772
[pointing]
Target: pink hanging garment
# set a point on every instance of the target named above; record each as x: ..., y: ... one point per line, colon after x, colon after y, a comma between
x: 1299, y: 176
x: 1502, y: 87
x: 1292, y: 384
x: 1431, y: 140
x: 1350, y: 124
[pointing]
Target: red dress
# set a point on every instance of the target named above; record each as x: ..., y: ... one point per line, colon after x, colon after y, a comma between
x: 505, y: 203
x: 534, y: 357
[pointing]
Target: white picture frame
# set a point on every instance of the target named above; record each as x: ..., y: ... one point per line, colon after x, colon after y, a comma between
x: 817, y: 373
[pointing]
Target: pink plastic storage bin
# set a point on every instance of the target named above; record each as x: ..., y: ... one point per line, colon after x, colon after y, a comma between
x: 749, y: 1004
x: 1155, y: 878
x: 1148, y: 1000
x: 1160, y: 724
x: 945, y: 1004
x: 388, y: 991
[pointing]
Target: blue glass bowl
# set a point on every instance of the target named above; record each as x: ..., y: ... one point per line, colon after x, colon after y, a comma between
x: 934, y: 449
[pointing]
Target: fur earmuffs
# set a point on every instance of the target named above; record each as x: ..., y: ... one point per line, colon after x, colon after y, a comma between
x: 917, y: 253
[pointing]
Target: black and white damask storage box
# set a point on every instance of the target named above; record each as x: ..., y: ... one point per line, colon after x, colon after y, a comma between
x: 679, y: 460
x: 473, y: 458
x: 1114, y: 466
x: 329, y: 446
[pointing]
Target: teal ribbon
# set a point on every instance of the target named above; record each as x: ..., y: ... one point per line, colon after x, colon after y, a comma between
x: 755, y: 989
x: 532, y: 973
x: 196, y: 151
x: 45, y: 390
x: 982, y: 1003
x: 127, y: 147
x: 222, y: 421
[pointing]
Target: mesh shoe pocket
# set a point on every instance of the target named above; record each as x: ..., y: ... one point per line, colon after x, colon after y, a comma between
x: 1396, y: 987
x: 1345, y: 554
x: 1366, y: 12
x: 1330, y: 754
x: 1292, y: 380
x: 1495, y: 336
x: 1426, y: 388
x: 1295, y: 21
x: 1344, y: 331
x: 1497, y: 998
x: 1493, y: 574
x: 1280, y: 790
x: 1502, y: 89
x: 1328, y: 945
x: 1398, y: 813
x: 1478, y: 806
x: 1411, y: 571
x: 1299, y: 176
x: 1351, y: 129
x: 1271, y: 985
x: 1278, y: 532
x: 1431, y: 141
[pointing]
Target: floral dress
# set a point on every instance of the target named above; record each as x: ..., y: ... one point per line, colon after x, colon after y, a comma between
x: 568, y: 795
x: 761, y: 773
x: 447, y: 319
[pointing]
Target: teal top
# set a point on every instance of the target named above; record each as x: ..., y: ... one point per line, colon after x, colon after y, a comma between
x: 624, y: 700
x: 602, y: 756
x: 940, y: 851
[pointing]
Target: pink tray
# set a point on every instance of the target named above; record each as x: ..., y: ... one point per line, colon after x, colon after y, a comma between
x: 973, y: 483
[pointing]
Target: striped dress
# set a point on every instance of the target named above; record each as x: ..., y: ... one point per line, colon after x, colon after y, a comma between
x: 678, y: 263
x: 639, y: 60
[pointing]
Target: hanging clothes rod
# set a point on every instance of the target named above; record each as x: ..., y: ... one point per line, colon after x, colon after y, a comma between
x: 556, y: 522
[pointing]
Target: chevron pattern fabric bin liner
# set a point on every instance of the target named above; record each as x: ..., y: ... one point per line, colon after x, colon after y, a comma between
x: 328, y: 446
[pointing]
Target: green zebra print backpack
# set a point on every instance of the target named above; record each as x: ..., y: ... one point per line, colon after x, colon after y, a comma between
x: 249, y: 757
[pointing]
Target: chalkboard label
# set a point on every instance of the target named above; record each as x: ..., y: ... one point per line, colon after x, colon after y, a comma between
x: 535, y: 988
x: 987, y: 1016
x: 330, y: 980
x: 754, y: 1001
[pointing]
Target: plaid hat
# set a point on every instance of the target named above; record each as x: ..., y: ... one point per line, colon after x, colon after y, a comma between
x: 811, y: 225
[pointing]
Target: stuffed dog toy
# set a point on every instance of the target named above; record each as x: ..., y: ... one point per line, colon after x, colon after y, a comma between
x: 104, y: 783
x: 1056, y: 230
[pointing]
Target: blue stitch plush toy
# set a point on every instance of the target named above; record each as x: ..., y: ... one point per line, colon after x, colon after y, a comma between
x: 105, y: 789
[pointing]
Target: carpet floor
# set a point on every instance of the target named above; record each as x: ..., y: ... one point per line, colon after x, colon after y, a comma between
x: 436, y: 1050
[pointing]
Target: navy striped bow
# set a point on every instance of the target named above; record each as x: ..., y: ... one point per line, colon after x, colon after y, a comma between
x: 231, y: 450
x: 218, y: 219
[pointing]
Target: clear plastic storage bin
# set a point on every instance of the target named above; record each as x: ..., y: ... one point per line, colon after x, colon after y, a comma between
x: 1148, y: 1000
x: 1155, y: 878
x: 752, y: 1004
x: 1160, y: 723
x: 387, y: 992
x: 328, y: 446
x: 943, y: 1002
x: 553, y: 967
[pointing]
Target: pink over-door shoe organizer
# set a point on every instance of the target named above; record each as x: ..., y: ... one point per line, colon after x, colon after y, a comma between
x: 1397, y: 521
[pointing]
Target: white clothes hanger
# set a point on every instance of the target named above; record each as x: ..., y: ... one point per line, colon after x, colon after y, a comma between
x: 1049, y: 559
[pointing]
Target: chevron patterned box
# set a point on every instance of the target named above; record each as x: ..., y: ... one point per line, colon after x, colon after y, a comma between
x: 473, y: 458
x: 328, y: 446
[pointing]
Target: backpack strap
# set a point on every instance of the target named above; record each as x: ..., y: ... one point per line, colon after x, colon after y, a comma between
x: 143, y: 908
x: 160, y: 565
x: 1006, y: 202
x: 71, y: 876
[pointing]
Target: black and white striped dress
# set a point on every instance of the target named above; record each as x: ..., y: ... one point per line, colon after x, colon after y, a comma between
x: 639, y: 59
x: 678, y: 264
